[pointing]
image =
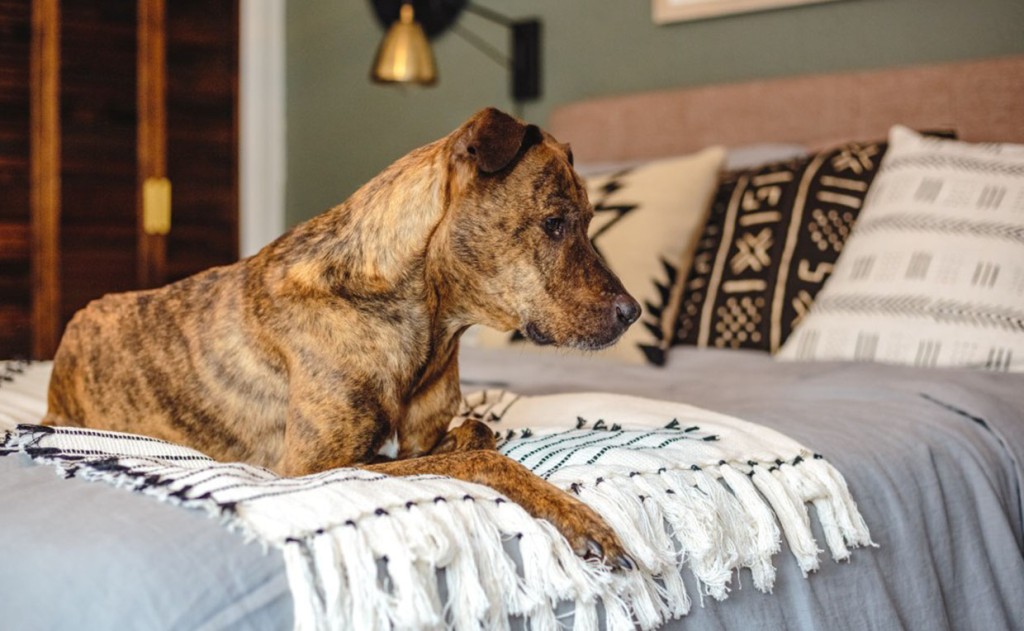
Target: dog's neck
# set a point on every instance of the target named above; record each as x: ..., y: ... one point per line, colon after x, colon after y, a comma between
x: 368, y: 245
x: 446, y: 323
x: 374, y: 250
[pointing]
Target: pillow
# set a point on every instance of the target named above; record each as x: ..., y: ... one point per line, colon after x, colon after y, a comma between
x: 933, y: 274
x: 742, y: 157
x: 646, y: 223
x: 772, y: 237
x: 760, y: 154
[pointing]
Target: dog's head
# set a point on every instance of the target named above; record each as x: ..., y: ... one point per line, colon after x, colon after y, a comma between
x: 517, y: 238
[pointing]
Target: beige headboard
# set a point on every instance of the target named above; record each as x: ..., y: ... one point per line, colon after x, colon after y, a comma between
x: 981, y: 100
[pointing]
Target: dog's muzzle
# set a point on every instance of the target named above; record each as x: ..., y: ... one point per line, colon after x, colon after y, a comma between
x: 622, y: 312
x: 627, y: 310
x: 534, y: 333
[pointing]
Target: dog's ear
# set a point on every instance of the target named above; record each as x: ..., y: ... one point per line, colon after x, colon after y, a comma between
x: 491, y: 139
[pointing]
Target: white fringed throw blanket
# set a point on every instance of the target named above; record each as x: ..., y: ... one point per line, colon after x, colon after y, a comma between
x: 686, y: 489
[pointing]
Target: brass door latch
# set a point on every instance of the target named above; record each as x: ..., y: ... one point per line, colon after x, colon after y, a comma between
x: 156, y: 205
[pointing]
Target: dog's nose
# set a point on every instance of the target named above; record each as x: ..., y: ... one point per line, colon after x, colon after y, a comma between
x: 626, y: 309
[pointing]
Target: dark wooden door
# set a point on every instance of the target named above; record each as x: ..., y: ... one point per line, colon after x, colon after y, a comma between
x: 15, y: 179
x: 111, y: 105
x: 98, y: 252
x: 202, y: 135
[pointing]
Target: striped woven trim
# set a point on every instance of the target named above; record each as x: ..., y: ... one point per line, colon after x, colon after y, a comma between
x: 945, y: 311
x: 930, y: 223
x: 994, y: 166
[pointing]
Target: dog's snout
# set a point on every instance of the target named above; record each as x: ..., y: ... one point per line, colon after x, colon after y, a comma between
x: 627, y: 310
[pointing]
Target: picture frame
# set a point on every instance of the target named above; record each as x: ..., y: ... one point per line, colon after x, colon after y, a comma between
x: 667, y: 11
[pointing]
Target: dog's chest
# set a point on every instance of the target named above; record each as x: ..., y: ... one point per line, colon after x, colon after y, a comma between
x: 389, y: 449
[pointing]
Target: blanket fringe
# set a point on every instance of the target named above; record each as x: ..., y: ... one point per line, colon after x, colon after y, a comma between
x: 380, y: 570
x: 712, y: 521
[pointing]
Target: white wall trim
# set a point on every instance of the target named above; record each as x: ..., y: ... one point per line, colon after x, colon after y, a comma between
x: 262, y: 123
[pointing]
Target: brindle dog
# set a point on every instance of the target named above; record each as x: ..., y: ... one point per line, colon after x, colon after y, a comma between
x: 341, y: 337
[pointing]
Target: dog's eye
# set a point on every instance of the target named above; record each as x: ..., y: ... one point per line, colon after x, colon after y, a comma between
x: 555, y: 227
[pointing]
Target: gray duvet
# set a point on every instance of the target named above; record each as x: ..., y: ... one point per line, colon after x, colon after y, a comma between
x: 933, y: 458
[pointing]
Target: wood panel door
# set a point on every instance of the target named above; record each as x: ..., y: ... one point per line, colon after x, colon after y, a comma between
x: 97, y: 252
x: 107, y: 98
x: 202, y: 135
x: 15, y: 179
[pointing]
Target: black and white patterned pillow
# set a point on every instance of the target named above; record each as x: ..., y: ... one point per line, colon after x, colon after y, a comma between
x: 646, y: 223
x: 933, y: 273
x: 771, y: 240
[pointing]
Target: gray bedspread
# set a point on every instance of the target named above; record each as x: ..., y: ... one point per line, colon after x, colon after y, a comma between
x: 933, y: 459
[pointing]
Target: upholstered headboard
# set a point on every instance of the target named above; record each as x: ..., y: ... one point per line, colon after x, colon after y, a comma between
x: 981, y: 100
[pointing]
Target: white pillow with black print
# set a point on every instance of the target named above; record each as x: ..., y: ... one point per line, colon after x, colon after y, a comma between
x: 647, y: 220
x: 933, y: 272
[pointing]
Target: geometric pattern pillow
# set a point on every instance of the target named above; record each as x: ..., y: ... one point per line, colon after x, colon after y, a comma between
x: 646, y: 223
x: 933, y: 273
x: 772, y: 238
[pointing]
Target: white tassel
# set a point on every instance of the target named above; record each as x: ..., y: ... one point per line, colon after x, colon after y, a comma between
x: 825, y: 509
x: 412, y: 606
x: 792, y: 517
x: 500, y: 583
x: 617, y: 614
x: 428, y: 541
x: 369, y: 601
x: 467, y: 602
x: 766, y: 536
x: 585, y: 616
x: 541, y: 546
x: 544, y: 619
x: 694, y: 521
x: 333, y: 579
x: 619, y: 504
x: 809, y: 489
x: 668, y: 502
x: 652, y: 499
x: 851, y: 522
x: 309, y: 614
x: 516, y: 594
x: 587, y: 577
x: 735, y: 533
x: 426, y: 574
x: 430, y: 548
x: 674, y: 593
x: 648, y: 608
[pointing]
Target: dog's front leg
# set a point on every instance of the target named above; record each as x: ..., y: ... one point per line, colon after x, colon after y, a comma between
x: 584, y: 529
x: 424, y: 428
x: 332, y: 422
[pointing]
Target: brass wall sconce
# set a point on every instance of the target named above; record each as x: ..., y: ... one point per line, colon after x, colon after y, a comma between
x: 405, y: 55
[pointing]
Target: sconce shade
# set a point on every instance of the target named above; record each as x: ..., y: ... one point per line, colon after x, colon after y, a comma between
x: 404, y: 55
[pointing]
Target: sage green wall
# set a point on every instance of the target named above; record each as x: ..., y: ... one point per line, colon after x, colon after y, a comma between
x: 342, y: 129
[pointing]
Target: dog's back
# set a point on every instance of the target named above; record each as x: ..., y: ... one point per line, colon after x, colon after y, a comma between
x: 193, y: 370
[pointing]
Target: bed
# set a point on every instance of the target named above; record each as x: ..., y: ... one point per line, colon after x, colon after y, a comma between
x: 932, y: 455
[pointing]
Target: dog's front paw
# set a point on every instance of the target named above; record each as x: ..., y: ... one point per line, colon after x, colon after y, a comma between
x: 591, y: 538
x: 471, y: 435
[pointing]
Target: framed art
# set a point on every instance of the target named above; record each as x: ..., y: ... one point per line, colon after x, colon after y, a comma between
x: 665, y: 11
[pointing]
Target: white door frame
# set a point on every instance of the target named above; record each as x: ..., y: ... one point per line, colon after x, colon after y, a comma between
x: 261, y: 147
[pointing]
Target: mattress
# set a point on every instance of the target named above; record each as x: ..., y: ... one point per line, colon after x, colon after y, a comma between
x: 933, y: 458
